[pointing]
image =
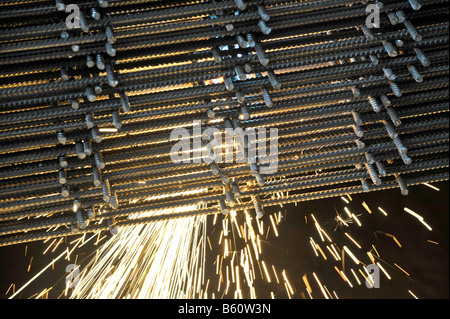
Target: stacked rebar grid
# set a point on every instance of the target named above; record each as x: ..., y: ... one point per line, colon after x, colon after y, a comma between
x: 87, y: 111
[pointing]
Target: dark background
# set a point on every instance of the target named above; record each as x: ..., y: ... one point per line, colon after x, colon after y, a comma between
x: 427, y: 263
